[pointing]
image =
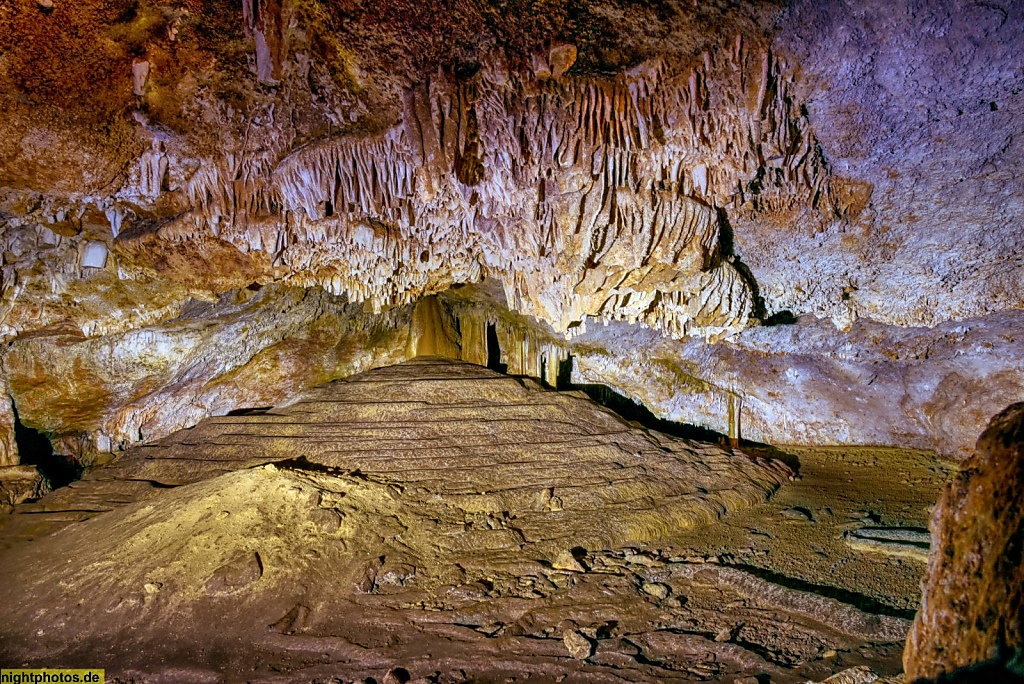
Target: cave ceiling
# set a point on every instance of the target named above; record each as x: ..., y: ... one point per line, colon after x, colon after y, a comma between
x: 806, y: 213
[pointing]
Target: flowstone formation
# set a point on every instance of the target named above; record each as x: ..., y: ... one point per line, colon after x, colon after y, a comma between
x: 433, y: 516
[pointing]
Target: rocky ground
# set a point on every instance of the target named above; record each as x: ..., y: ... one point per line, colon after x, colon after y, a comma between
x: 463, y: 525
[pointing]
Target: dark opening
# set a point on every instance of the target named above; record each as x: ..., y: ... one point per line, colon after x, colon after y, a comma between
x: 564, y: 379
x: 494, y: 350
x: 34, y: 448
x: 784, y: 317
x: 638, y: 413
x: 253, y: 411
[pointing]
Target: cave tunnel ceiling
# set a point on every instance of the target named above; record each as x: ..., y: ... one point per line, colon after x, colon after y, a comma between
x: 794, y: 221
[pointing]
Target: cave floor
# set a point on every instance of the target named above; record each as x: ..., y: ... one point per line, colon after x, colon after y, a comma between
x: 852, y: 525
x: 444, y: 522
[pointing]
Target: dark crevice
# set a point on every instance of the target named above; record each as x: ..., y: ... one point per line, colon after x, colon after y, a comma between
x: 256, y: 411
x: 634, y: 411
x: 156, y: 484
x: 784, y: 317
x: 494, y: 350
x: 766, y: 653
x: 35, y: 448
x: 859, y: 601
x: 303, y: 463
x: 726, y: 250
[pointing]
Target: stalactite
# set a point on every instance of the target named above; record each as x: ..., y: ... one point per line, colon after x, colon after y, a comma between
x: 587, y: 197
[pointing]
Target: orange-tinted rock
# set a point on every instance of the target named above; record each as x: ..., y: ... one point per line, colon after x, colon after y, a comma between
x: 973, y: 604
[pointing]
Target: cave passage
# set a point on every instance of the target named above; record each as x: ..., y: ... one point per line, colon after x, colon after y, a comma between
x: 36, y: 449
x: 494, y: 350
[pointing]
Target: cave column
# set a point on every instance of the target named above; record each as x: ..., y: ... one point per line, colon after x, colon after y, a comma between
x: 474, y: 338
x: 735, y: 409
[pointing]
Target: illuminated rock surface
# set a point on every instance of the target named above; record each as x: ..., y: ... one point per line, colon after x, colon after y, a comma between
x: 694, y: 171
x: 796, y: 223
x: 433, y: 508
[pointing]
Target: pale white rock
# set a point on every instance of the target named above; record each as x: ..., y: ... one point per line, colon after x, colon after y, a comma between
x: 115, y: 215
x: 103, y: 443
x: 94, y: 255
x: 140, y: 75
x: 152, y: 171
x: 48, y: 237
x: 700, y: 178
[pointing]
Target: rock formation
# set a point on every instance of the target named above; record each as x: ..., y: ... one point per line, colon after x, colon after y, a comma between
x: 433, y: 507
x: 973, y: 606
x: 795, y: 223
x: 692, y: 172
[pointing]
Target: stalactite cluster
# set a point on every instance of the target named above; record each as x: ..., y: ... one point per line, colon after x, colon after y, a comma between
x: 595, y: 197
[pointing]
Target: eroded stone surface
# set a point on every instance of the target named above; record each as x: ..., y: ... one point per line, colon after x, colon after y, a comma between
x: 500, y: 444
x: 808, y: 383
x: 973, y: 605
x: 19, y: 484
x: 422, y: 508
x: 251, y: 348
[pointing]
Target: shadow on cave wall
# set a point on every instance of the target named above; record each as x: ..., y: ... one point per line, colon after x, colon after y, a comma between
x: 633, y: 411
x: 636, y: 412
x: 34, y: 448
x: 727, y: 250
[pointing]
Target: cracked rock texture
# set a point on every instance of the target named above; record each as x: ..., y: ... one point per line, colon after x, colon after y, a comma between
x: 249, y: 348
x: 973, y: 605
x: 809, y: 383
